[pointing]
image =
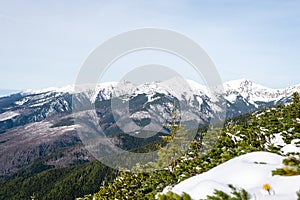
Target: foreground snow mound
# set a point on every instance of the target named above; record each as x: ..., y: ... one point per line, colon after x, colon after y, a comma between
x: 250, y: 171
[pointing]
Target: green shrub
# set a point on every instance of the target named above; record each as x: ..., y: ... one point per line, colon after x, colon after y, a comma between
x: 241, y: 135
x: 235, y: 194
x: 292, y: 167
x: 173, y: 196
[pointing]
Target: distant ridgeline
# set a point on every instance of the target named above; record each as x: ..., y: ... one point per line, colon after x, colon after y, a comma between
x: 241, y: 135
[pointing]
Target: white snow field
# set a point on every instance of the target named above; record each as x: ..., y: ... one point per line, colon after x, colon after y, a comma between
x: 8, y: 115
x: 250, y: 172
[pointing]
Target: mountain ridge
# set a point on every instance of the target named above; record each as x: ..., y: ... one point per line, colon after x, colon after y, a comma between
x: 234, y: 84
x: 40, y: 128
x: 51, y: 113
x: 240, y: 96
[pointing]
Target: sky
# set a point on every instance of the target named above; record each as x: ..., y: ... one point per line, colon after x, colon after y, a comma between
x: 45, y: 43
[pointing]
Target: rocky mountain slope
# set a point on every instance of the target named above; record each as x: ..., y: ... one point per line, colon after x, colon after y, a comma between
x: 39, y: 136
x: 241, y: 96
x: 255, y: 156
x: 35, y: 123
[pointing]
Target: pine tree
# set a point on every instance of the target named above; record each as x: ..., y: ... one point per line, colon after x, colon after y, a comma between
x: 168, y: 154
x: 235, y: 194
x: 296, y: 98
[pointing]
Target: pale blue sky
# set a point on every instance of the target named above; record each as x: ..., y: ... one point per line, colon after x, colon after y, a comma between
x: 44, y: 43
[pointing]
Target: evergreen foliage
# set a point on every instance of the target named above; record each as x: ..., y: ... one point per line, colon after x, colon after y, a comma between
x: 235, y: 194
x: 241, y: 135
x: 172, y: 196
x: 64, y: 183
x: 170, y: 152
x: 296, y: 98
x: 292, y: 167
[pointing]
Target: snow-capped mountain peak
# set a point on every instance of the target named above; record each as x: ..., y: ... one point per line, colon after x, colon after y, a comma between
x: 254, y: 92
x: 245, y: 88
x: 240, y: 96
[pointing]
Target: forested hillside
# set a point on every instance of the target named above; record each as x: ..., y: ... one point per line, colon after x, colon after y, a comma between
x: 61, y: 183
x: 271, y: 130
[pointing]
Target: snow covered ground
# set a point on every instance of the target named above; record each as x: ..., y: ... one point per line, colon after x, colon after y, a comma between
x: 250, y: 171
x: 8, y: 115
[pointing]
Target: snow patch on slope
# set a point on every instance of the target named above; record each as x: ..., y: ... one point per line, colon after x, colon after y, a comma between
x: 250, y: 171
x: 294, y: 147
x: 8, y: 115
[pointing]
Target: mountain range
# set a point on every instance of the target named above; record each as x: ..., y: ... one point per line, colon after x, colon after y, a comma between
x: 38, y: 123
